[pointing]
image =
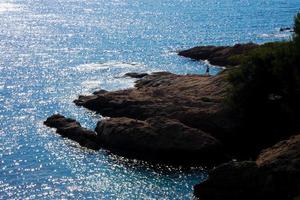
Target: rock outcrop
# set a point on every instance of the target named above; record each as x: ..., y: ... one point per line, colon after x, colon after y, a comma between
x: 156, y: 139
x: 233, y: 180
x: 135, y: 75
x: 72, y: 129
x: 218, y: 55
x: 274, y: 175
x: 159, y: 139
x: 194, y: 100
x: 286, y: 29
x: 182, y: 119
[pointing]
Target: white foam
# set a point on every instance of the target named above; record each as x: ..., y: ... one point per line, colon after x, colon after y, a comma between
x: 2, y: 85
x: 276, y: 35
x: 90, y: 84
x: 9, y: 7
x: 107, y: 65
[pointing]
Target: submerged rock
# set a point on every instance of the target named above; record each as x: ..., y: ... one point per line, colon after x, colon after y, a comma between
x: 72, y: 129
x: 218, y: 55
x: 100, y: 92
x: 286, y: 29
x: 159, y: 139
x: 135, y: 75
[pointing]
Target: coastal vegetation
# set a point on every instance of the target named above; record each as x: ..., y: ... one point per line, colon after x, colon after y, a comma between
x: 265, y: 90
x: 267, y: 83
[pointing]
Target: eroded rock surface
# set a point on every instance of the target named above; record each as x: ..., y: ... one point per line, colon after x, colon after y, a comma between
x: 283, y: 156
x: 159, y: 138
x: 218, y: 55
x: 156, y: 139
x: 194, y: 100
x: 72, y: 129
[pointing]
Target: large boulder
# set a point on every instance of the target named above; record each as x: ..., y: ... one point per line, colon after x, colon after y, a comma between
x: 274, y: 175
x: 281, y: 163
x: 158, y: 139
x: 233, y: 180
x: 218, y: 55
x: 283, y: 156
x: 72, y: 129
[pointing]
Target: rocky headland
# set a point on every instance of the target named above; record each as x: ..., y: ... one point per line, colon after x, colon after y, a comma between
x: 183, y: 119
x: 219, y: 55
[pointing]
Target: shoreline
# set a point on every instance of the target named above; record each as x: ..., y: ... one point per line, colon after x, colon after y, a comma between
x: 182, y: 119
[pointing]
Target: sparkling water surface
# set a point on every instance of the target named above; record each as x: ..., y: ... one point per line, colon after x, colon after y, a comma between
x: 53, y: 50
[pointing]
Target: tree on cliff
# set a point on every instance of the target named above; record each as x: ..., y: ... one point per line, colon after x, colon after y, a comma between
x: 266, y: 87
x: 297, y: 30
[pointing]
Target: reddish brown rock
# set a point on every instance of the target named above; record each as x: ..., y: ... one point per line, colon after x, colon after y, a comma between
x: 159, y: 139
x: 281, y: 163
x: 195, y: 100
x: 283, y: 156
x: 156, y: 139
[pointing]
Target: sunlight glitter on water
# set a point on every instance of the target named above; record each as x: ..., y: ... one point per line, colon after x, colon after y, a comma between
x: 53, y: 51
x: 9, y: 7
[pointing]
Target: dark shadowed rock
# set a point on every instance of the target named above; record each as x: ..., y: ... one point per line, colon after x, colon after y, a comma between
x: 71, y: 129
x: 218, y: 55
x: 282, y: 164
x: 100, y: 92
x: 274, y: 175
x: 135, y: 75
x: 157, y: 139
x: 233, y: 180
x: 283, y: 156
x: 286, y: 29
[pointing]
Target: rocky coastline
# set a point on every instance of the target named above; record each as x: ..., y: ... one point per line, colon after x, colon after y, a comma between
x: 183, y: 119
x: 219, y: 55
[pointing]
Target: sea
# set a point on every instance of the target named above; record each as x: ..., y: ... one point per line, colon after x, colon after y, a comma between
x: 51, y: 51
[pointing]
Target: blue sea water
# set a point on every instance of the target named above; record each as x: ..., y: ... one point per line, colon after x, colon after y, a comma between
x: 53, y: 50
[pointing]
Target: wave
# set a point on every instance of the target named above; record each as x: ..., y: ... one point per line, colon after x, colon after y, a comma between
x: 276, y: 35
x: 107, y: 65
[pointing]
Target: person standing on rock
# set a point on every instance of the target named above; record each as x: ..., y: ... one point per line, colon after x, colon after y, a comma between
x: 207, y: 70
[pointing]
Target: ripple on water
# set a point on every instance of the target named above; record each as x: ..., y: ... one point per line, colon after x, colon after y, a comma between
x: 107, y: 66
x: 52, y: 51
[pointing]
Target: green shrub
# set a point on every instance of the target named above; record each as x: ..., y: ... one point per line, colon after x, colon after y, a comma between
x: 266, y: 87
